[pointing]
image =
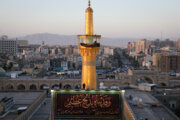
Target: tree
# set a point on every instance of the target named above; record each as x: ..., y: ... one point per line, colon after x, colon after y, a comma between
x: 5, y: 66
x: 10, y: 65
x: 118, y: 58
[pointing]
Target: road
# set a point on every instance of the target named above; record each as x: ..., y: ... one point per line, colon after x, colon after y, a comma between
x: 125, y: 63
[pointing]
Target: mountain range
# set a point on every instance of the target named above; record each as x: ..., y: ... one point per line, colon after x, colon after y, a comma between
x: 56, y: 39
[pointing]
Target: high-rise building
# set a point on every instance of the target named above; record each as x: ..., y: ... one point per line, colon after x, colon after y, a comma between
x: 178, y: 45
x: 8, y: 46
x: 142, y: 46
x: 131, y: 48
x: 165, y: 62
x: 89, y: 47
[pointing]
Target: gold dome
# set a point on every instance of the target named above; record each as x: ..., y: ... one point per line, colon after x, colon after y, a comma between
x: 89, y: 9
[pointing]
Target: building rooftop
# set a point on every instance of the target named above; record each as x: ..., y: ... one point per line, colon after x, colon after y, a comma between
x: 22, y: 99
x: 146, y: 107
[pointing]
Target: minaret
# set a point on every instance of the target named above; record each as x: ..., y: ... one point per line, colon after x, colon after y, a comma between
x: 89, y: 47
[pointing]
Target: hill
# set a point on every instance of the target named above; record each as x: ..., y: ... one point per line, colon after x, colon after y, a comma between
x: 56, y: 39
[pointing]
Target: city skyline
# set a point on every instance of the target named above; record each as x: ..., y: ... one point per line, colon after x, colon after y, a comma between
x: 130, y: 19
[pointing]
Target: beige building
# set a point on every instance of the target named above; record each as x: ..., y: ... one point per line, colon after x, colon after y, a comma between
x: 142, y: 45
x: 75, y: 51
x: 38, y: 66
x: 22, y: 42
x: 165, y: 62
x: 178, y: 45
x: 27, y: 70
x: 69, y: 50
x: 136, y: 47
x: 108, y: 51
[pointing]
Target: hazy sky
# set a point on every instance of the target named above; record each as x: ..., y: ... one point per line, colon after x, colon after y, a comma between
x: 112, y: 18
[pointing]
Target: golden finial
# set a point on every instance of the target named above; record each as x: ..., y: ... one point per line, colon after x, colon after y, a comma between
x: 89, y: 3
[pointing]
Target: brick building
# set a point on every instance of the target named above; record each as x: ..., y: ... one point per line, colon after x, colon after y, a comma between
x: 166, y: 62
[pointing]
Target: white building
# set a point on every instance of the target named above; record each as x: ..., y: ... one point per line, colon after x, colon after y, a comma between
x: 108, y: 51
x: 64, y: 65
x: 147, y: 61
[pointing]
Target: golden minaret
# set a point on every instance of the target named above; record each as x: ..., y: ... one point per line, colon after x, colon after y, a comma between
x: 89, y: 47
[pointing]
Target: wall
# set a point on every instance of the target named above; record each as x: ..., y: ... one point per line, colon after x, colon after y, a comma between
x: 128, y: 114
x: 26, y: 115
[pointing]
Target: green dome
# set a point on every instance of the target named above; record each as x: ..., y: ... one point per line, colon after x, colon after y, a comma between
x: 2, y: 70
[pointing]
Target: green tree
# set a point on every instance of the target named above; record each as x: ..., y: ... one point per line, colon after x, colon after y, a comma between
x: 5, y: 66
x: 10, y: 65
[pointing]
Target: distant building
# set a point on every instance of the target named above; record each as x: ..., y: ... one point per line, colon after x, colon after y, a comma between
x: 159, y: 44
x: 69, y: 50
x: 8, y: 46
x: 64, y: 65
x: 137, y: 47
x: 54, y: 51
x: 56, y: 62
x: 142, y: 46
x: 131, y: 48
x: 44, y: 49
x: 167, y: 62
x: 27, y: 70
x: 108, y: 51
x: 178, y: 45
x: 22, y: 42
x: 75, y: 51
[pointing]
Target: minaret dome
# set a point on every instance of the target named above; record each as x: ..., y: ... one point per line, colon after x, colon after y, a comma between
x: 89, y: 9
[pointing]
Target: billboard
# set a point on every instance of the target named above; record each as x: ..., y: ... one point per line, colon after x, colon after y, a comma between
x: 86, y: 104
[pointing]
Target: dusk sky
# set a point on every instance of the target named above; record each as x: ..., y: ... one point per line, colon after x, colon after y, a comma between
x: 112, y: 18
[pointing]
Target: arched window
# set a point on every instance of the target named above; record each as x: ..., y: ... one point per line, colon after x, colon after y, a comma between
x: 33, y: 87
x: 67, y: 86
x: 55, y: 86
x: 60, y: 86
x: 9, y: 87
x: 78, y: 86
x: 163, y: 84
x: 84, y: 86
x: 44, y: 87
x: 21, y: 87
